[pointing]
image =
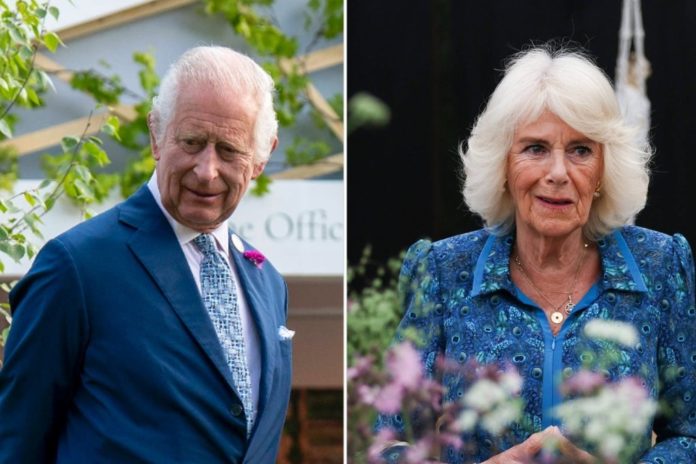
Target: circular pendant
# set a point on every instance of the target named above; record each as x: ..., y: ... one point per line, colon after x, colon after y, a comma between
x: 556, y: 317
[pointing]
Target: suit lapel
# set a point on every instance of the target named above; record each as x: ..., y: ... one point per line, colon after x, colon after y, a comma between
x: 251, y: 282
x: 156, y: 247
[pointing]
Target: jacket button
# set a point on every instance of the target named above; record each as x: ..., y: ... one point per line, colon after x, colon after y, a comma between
x: 236, y: 410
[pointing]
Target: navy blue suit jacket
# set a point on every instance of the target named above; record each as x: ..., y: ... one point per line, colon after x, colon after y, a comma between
x: 113, y: 358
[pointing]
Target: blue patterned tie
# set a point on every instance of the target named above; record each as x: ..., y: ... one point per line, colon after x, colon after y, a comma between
x: 220, y: 299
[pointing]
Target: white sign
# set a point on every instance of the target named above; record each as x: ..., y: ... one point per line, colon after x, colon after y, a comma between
x: 298, y: 226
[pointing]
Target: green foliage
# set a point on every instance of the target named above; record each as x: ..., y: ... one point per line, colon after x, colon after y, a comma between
x: 266, y: 38
x: 306, y: 151
x: 374, y: 306
x: 261, y: 187
x: 135, y: 134
x: 9, y: 168
x: 331, y: 12
x: 6, y: 317
x: 132, y: 135
x: 105, y: 90
x: 325, y: 18
x: 77, y: 169
x: 21, y: 32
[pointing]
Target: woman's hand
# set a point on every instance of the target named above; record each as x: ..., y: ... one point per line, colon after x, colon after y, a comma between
x: 532, y: 446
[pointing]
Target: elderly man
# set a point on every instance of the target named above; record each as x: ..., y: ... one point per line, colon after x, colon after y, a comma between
x: 152, y: 333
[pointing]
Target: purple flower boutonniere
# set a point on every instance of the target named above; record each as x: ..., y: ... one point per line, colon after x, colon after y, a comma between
x: 256, y: 257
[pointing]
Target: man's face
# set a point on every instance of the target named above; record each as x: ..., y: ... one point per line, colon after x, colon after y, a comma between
x: 205, y: 159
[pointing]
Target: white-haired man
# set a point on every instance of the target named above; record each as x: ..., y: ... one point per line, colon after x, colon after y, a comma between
x: 152, y: 333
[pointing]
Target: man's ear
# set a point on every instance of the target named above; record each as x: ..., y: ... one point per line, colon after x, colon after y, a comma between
x: 258, y: 169
x: 152, y: 125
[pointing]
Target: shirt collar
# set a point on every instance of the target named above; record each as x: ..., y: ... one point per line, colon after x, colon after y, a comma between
x: 185, y: 234
x: 619, y: 268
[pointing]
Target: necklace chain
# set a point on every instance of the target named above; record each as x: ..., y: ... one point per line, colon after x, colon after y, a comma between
x: 557, y: 316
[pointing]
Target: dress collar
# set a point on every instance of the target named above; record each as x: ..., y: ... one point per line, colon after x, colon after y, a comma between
x: 619, y: 268
x: 185, y: 234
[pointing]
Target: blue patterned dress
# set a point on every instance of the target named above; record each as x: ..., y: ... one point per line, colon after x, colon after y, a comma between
x: 459, y: 296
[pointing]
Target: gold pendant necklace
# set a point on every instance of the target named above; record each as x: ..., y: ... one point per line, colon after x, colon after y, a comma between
x: 556, y: 315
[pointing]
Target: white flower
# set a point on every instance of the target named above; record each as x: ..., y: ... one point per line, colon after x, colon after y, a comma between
x: 499, y: 418
x: 466, y: 420
x: 616, y: 416
x: 492, y: 404
x: 511, y: 382
x: 483, y: 395
x: 614, y: 331
x: 612, y: 444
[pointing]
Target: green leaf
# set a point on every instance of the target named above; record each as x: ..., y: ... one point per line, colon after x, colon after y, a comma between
x: 45, y: 81
x: 69, y: 143
x: 5, y: 128
x: 52, y: 41
x: 13, y: 250
x: 106, y: 90
x: 111, y: 126
x: 54, y: 11
x: 82, y: 173
x: 261, y: 186
x: 96, y: 153
x: 29, y: 198
x: 33, y: 96
x: 96, y: 140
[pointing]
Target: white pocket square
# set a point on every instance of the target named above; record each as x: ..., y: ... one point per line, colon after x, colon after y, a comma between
x: 284, y: 333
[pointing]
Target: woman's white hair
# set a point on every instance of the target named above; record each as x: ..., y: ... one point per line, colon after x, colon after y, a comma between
x: 220, y: 69
x: 570, y: 85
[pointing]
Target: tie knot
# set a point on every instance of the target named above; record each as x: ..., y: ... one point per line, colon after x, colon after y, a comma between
x: 206, y: 244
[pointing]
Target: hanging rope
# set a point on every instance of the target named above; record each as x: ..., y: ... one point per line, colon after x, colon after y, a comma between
x: 632, y: 70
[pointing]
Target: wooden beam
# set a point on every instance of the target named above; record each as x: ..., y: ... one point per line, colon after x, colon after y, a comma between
x: 324, y: 58
x: 44, y: 63
x: 51, y: 136
x: 316, y: 60
x: 315, y: 97
x: 328, y: 165
x: 330, y: 117
x: 121, y: 17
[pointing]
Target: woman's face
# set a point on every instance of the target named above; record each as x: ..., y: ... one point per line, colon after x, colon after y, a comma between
x: 552, y: 173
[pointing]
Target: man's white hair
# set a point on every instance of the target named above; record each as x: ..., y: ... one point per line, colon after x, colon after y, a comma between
x: 572, y: 87
x: 221, y: 70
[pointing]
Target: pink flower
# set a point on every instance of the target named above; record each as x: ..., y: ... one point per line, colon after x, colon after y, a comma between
x: 583, y: 383
x: 256, y: 257
x: 418, y: 452
x: 361, y: 367
x: 451, y: 439
x: 388, y: 400
x: 405, y: 366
